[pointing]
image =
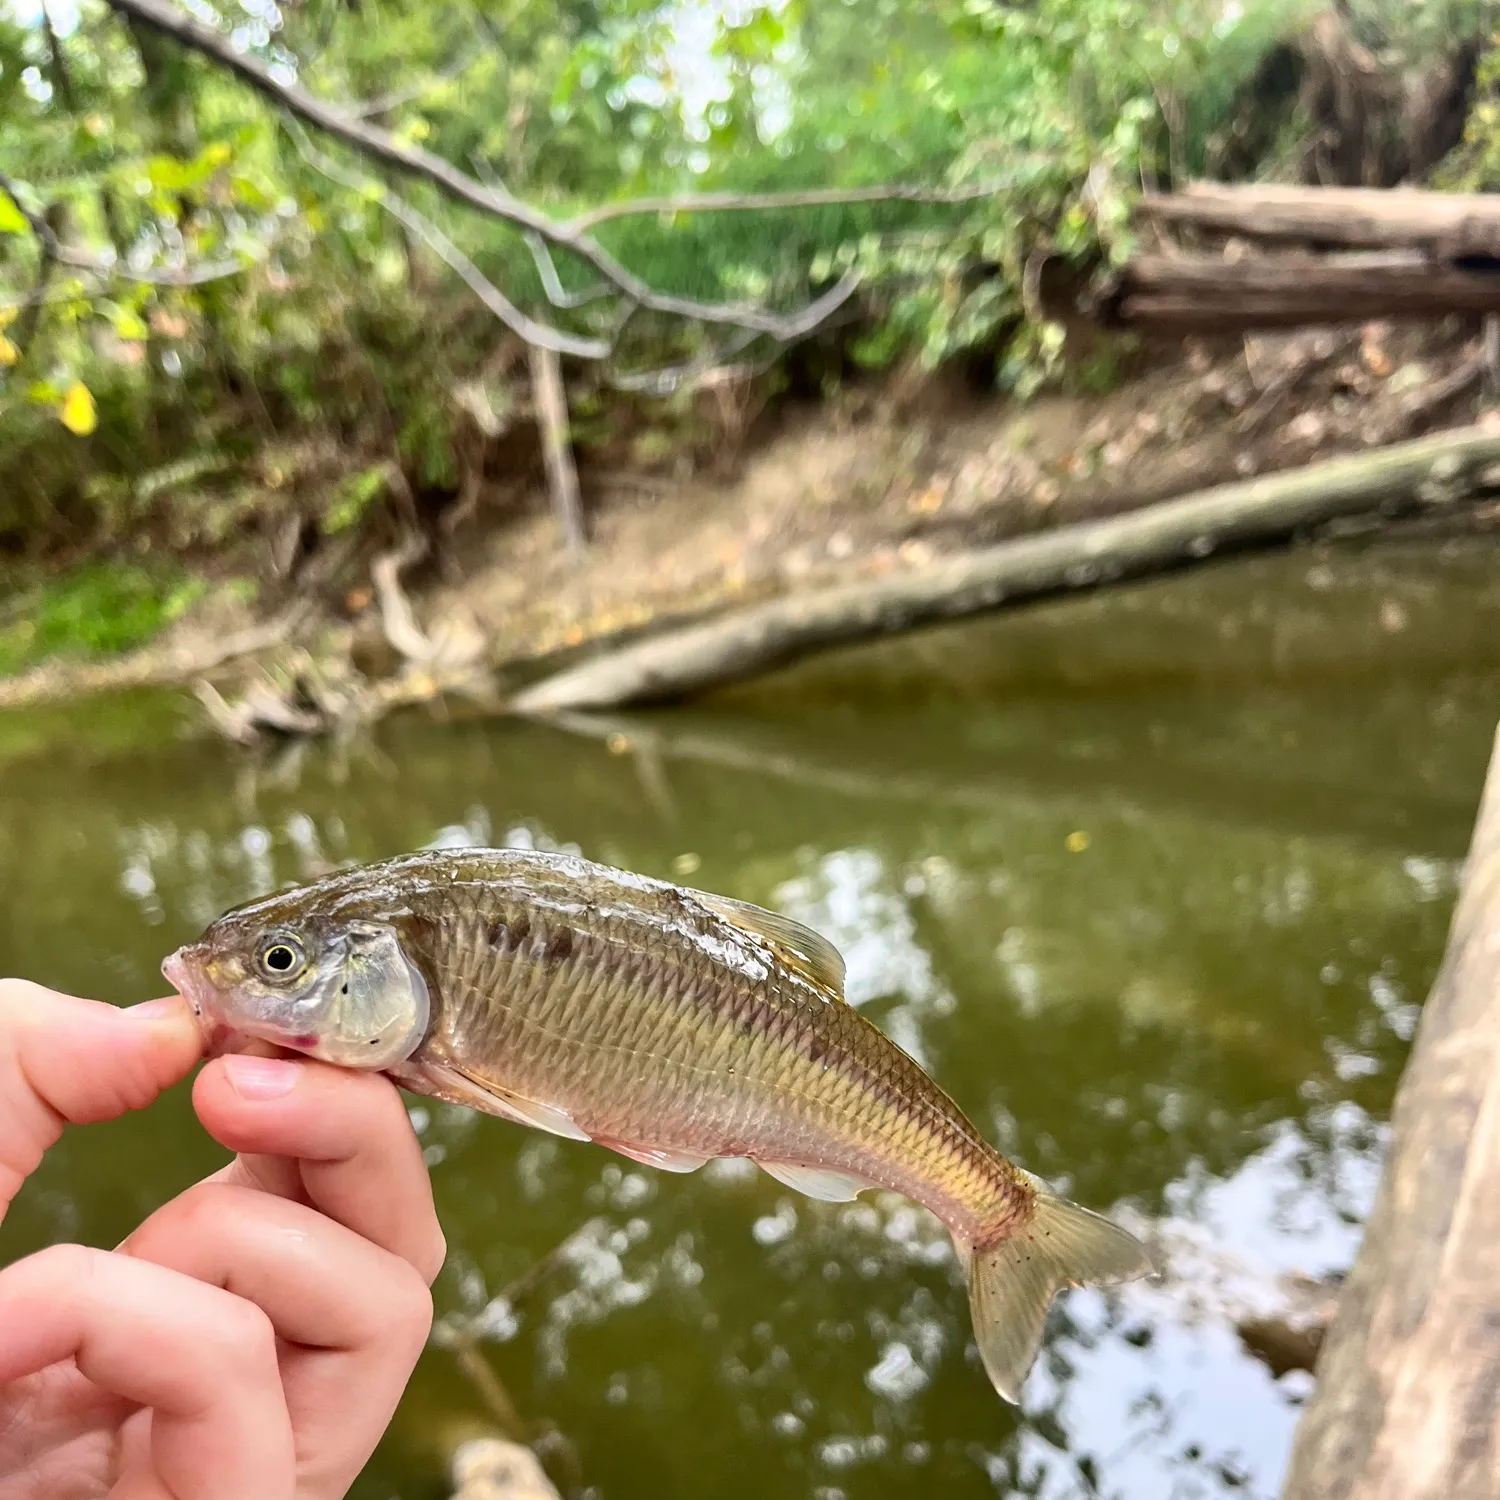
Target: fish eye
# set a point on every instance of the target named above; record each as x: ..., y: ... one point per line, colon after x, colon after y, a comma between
x: 281, y: 958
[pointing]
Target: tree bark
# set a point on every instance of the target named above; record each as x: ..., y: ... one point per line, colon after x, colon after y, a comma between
x: 1408, y: 1396
x: 1208, y: 294
x: 1432, y: 471
x: 1445, y: 224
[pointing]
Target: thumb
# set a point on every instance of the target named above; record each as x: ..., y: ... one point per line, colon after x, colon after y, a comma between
x: 69, y: 1061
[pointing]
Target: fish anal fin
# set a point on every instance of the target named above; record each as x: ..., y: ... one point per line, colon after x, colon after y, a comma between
x: 815, y: 1182
x: 652, y: 1156
x: 1012, y: 1283
x: 458, y: 1086
x: 802, y: 949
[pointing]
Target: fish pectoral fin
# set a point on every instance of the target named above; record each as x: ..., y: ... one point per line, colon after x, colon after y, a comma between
x: 816, y: 1182
x: 651, y: 1156
x: 462, y: 1087
x: 806, y: 951
x: 542, y: 1116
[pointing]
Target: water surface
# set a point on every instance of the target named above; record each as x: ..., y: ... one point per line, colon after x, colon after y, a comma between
x: 1152, y: 882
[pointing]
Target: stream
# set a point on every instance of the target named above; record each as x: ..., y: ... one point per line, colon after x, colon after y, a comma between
x: 1153, y: 882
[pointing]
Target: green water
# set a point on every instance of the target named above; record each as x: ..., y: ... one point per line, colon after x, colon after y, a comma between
x: 1152, y: 882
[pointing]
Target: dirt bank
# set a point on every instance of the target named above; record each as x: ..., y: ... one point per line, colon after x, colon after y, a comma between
x: 875, y: 479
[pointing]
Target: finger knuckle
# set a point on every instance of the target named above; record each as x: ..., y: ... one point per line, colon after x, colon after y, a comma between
x: 435, y: 1256
x: 198, y: 1210
x: 20, y: 998
x: 70, y: 1266
x: 246, y: 1336
x: 409, y: 1308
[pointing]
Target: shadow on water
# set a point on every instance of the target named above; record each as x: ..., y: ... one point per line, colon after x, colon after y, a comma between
x: 1153, y: 883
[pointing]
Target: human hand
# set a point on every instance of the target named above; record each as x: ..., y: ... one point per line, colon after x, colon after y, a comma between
x: 251, y: 1339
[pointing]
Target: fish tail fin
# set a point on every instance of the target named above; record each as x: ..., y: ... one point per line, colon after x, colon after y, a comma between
x: 1013, y: 1281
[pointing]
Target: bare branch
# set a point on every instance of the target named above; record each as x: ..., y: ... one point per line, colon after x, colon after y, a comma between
x: 703, y: 203
x: 557, y: 294
x: 200, y: 275
x: 55, y: 253
x: 669, y: 378
x: 541, y: 335
x: 383, y: 104
x: 495, y: 201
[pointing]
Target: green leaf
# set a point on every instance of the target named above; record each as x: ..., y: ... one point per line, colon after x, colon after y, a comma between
x: 129, y: 325
x: 12, y: 220
x: 77, y: 411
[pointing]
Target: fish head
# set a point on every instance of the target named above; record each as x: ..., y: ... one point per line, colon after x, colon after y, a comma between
x: 332, y: 986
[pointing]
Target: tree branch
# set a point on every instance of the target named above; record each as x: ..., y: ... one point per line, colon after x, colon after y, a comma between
x: 541, y: 335
x: 384, y: 104
x: 31, y: 306
x: 54, y: 253
x: 702, y: 203
x: 557, y: 294
x: 495, y: 201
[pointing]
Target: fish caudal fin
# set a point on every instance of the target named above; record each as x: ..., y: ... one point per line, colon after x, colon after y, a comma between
x: 1012, y: 1283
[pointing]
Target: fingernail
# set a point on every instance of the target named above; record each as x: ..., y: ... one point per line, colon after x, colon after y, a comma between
x: 156, y: 1010
x: 260, y: 1077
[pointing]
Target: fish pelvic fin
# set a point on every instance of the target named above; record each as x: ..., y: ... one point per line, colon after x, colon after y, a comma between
x: 1012, y: 1282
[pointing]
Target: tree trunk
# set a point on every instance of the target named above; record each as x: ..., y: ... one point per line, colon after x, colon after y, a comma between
x: 1444, y: 224
x: 551, y: 401
x: 1208, y: 294
x: 1258, y: 511
x: 1407, y: 1405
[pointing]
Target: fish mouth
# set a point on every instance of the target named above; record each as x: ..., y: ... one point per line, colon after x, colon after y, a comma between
x: 205, y: 1000
x: 188, y: 980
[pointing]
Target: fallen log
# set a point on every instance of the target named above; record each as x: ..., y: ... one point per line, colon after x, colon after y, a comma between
x: 1209, y: 294
x: 1407, y: 1404
x: 1444, y: 225
x: 1430, y: 471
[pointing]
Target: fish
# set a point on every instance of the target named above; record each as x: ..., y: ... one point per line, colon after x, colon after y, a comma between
x: 669, y: 1025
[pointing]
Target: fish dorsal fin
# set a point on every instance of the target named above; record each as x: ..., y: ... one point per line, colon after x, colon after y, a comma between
x: 806, y: 951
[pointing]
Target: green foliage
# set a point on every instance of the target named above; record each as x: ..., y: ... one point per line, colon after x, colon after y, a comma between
x: 352, y: 499
x: 324, y: 325
x: 94, y: 610
x: 1475, y: 166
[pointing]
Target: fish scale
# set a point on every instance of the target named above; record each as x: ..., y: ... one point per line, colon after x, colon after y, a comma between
x: 670, y: 1025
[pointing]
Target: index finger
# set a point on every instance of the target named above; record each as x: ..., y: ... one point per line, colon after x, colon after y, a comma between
x: 338, y: 1140
x: 69, y: 1061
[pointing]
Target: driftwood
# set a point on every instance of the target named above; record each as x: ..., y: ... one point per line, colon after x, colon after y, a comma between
x: 495, y: 1469
x: 1443, y: 225
x: 1212, y: 294
x: 1407, y: 1404
x: 1273, y: 508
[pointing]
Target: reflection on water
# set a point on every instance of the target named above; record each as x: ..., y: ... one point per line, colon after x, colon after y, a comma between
x: 1156, y: 902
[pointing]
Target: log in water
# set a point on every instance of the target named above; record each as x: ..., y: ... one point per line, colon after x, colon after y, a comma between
x: 1408, y: 1396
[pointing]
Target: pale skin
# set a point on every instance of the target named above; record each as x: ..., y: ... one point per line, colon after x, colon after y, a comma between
x: 251, y: 1339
